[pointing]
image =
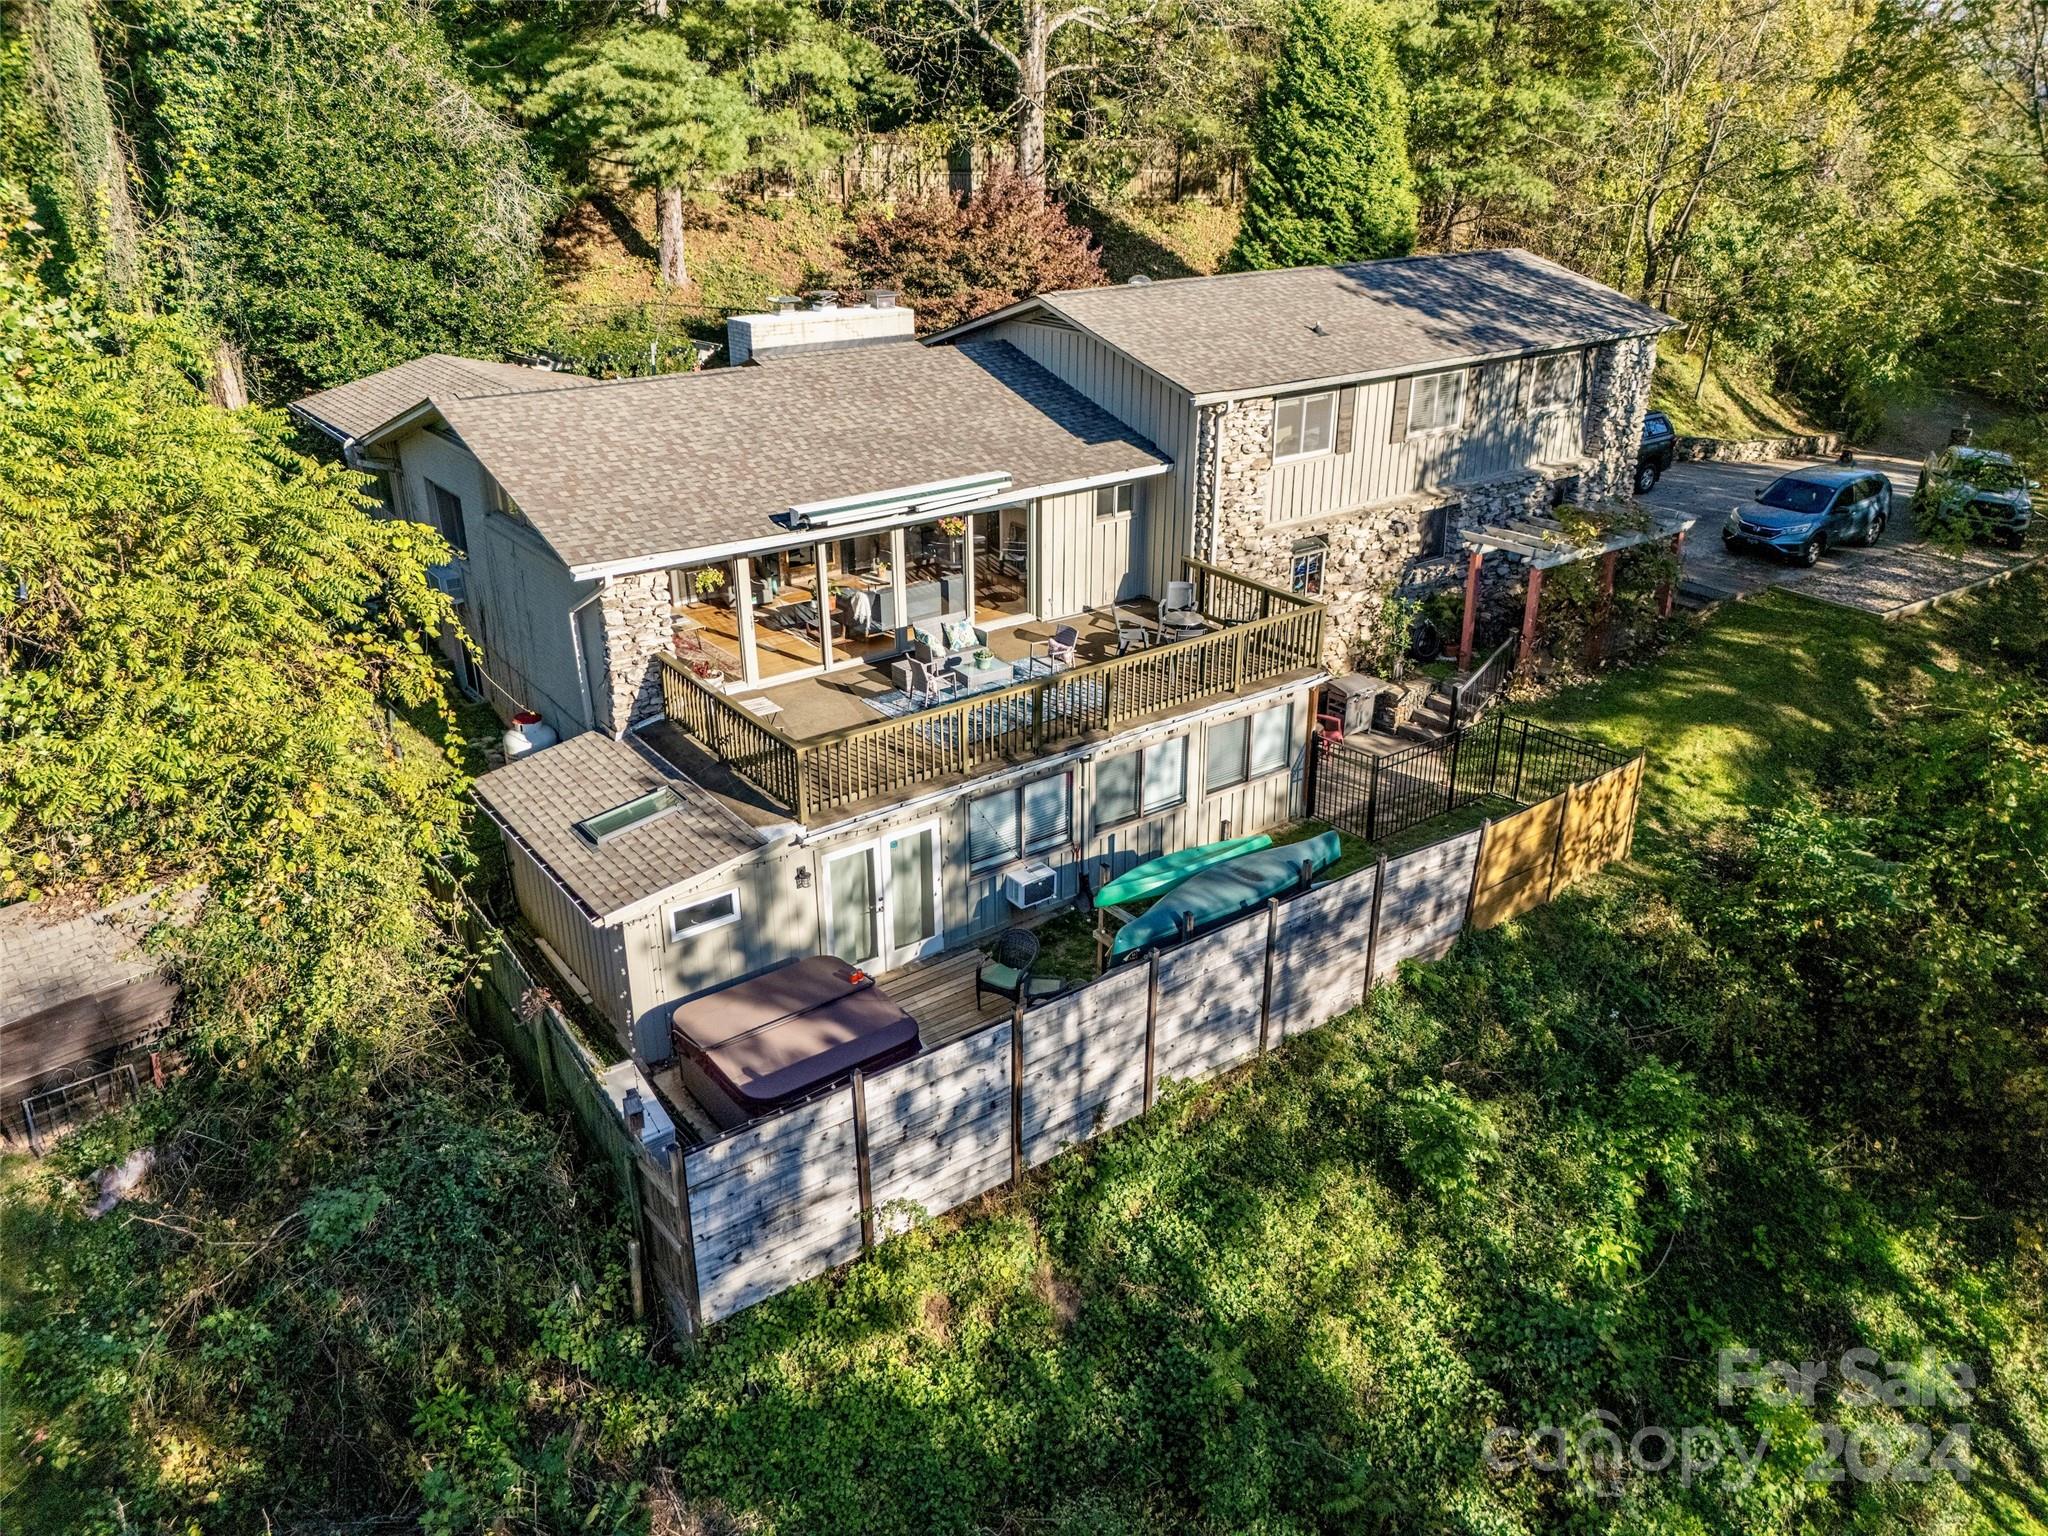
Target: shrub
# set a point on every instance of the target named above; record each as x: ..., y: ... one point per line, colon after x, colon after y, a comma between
x: 954, y: 261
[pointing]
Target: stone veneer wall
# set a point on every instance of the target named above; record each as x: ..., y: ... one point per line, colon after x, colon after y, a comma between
x: 1371, y: 547
x: 1611, y: 435
x: 639, y: 626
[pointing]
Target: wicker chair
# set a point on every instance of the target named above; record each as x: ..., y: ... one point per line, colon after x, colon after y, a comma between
x: 1007, y: 970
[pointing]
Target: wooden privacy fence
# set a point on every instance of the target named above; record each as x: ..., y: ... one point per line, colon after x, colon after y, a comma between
x: 793, y: 1196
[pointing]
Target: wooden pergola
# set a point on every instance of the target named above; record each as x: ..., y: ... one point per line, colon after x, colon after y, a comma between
x: 1544, y: 543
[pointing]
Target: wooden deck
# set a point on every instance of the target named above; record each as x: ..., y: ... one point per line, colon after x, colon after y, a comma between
x: 939, y: 994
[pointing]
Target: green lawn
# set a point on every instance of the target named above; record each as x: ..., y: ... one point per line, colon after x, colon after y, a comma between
x: 1746, y: 705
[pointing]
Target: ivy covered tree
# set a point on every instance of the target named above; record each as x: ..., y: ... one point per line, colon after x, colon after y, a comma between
x: 1329, y: 179
x: 328, y: 191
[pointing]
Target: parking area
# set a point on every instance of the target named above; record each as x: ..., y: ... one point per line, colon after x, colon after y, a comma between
x: 1901, y: 575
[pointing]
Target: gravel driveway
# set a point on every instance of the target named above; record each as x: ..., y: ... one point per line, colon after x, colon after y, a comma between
x: 1897, y: 577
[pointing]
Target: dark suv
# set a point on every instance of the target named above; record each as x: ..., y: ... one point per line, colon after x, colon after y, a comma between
x: 1660, y: 447
x: 1979, y: 492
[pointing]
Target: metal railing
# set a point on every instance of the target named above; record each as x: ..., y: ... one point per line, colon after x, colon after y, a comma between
x: 1503, y: 758
x: 1472, y: 693
x: 1266, y: 632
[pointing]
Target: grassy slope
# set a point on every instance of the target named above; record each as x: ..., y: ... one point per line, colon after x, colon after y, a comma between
x: 1294, y: 1299
x: 1734, y: 403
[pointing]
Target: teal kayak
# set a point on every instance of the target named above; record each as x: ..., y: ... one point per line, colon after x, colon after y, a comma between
x: 1226, y: 891
x: 1162, y: 874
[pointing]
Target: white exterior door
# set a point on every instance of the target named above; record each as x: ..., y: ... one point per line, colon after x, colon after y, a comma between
x: 882, y: 900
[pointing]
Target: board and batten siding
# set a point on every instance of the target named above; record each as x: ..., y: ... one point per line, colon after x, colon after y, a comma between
x: 1148, y: 405
x: 1089, y: 561
x: 782, y: 920
x: 595, y: 954
x: 1501, y: 435
x: 518, y: 594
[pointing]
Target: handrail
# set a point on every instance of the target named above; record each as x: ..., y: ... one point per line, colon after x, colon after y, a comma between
x: 1484, y: 680
x: 857, y: 762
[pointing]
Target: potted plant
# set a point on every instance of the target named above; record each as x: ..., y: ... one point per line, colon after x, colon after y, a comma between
x: 708, y: 583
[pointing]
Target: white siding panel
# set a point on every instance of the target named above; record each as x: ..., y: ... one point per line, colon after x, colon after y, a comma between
x: 1499, y: 437
x: 1162, y: 413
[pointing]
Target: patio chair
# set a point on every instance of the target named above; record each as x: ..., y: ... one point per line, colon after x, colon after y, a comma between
x: 1178, y: 613
x: 1007, y: 970
x: 1131, y: 633
x: 930, y: 684
x: 1062, y: 649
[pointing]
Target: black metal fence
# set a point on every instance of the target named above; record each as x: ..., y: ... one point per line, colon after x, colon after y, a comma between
x: 1501, y: 758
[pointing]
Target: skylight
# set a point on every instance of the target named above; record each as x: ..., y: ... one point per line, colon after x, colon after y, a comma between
x: 606, y: 825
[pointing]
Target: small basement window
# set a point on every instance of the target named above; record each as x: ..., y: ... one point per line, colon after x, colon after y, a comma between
x: 714, y: 912
x: 1308, y: 566
x: 606, y: 825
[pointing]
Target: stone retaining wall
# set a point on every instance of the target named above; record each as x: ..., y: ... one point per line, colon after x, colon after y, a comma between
x: 1746, y: 450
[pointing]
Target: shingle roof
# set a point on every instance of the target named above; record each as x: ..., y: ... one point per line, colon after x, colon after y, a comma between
x: 542, y: 796
x: 354, y: 408
x: 641, y: 467
x: 1252, y: 330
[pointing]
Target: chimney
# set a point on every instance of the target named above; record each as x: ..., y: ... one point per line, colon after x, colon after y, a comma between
x: 817, y: 322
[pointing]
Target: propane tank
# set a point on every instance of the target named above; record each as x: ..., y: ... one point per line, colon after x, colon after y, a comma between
x: 528, y: 733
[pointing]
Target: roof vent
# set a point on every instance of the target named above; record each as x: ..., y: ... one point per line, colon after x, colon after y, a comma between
x: 784, y: 303
x: 881, y: 298
x: 1136, y: 280
x: 823, y: 298
x: 1317, y: 329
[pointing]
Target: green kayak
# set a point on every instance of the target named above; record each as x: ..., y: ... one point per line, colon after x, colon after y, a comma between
x: 1225, y: 891
x: 1169, y: 869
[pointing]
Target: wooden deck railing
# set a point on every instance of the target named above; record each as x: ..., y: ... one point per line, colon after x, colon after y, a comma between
x: 1268, y: 631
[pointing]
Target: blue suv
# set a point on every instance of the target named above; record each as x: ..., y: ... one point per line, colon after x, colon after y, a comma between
x: 1805, y: 513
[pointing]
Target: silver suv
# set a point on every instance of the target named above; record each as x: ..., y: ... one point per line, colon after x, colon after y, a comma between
x: 1974, y: 491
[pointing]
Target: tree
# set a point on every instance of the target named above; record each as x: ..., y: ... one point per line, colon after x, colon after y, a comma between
x: 324, y: 189
x: 642, y: 99
x: 954, y: 261
x: 1505, y: 97
x: 1034, y: 44
x: 1329, y: 179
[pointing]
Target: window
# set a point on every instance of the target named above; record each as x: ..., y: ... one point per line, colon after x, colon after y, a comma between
x: 1436, y: 533
x: 1026, y: 818
x: 714, y: 912
x: 1436, y: 402
x: 1141, y: 783
x: 1308, y: 566
x: 1116, y: 500
x: 448, y: 513
x: 1249, y: 747
x: 1557, y: 380
x: 620, y: 819
x: 1305, y: 425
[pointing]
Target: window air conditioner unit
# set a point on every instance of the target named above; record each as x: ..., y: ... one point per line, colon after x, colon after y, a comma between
x: 448, y: 578
x: 1030, y: 885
